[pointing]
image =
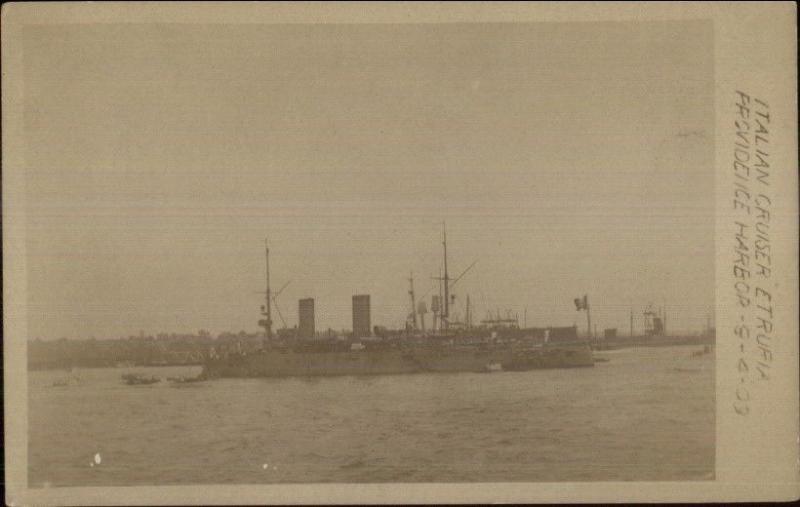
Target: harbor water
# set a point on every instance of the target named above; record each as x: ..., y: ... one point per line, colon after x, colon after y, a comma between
x: 647, y: 414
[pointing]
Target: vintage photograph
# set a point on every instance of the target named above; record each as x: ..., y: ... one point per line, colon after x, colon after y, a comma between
x: 369, y: 253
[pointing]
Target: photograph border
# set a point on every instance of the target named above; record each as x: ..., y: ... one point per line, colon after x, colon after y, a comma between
x: 755, y: 54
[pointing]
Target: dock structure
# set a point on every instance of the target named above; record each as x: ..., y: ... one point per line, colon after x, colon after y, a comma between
x: 653, y: 323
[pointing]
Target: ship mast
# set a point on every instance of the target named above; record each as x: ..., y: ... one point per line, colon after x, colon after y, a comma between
x: 413, y: 302
x: 437, y: 313
x: 468, y: 317
x: 268, y: 306
x: 446, y: 313
x: 631, y: 321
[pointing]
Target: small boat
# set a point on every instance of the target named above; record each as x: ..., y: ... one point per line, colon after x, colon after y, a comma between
x: 137, y: 379
x: 494, y: 367
x: 68, y: 381
x: 184, y: 380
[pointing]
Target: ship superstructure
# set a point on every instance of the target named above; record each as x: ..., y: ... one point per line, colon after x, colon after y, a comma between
x: 450, y: 346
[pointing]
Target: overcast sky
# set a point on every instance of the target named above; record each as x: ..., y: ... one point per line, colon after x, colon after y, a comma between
x: 566, y: 158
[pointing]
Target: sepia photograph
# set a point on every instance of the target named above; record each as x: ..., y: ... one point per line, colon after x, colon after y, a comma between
x: 287, y: 253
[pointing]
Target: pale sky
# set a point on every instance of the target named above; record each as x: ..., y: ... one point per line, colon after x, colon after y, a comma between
x: 566, y: 158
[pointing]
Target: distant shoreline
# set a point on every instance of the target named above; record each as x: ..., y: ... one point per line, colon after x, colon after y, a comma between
x: 598, y: 345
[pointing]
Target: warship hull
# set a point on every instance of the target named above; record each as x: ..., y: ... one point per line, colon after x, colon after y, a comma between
x: 274, y: 363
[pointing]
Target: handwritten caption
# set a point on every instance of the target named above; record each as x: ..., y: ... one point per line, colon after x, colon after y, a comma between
x: 753, y: 278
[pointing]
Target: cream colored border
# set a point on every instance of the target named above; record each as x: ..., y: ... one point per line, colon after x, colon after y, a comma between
x: 755, y: 51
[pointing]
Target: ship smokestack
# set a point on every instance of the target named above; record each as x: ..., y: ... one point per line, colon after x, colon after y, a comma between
x: 306, y: 328
x: 362, y: 324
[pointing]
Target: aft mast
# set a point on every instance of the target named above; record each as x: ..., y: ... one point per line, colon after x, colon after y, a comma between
x: 446, y: 312
x: 268, y: 307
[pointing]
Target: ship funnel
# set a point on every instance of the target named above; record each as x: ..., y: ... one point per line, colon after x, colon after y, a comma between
x: 306, y: 328
x: 362, y: 325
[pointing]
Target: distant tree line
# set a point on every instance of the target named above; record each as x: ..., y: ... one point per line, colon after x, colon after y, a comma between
x: 158, y: 350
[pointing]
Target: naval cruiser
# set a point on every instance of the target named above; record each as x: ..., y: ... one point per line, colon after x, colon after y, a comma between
x: 496, y: 345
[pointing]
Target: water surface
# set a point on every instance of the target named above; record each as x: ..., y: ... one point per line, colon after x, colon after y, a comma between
x: 647, y: 414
